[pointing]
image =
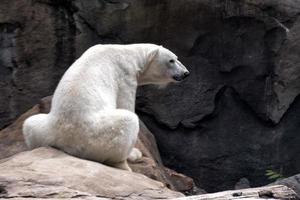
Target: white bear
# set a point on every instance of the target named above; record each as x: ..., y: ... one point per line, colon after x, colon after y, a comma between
x: 92, y: 113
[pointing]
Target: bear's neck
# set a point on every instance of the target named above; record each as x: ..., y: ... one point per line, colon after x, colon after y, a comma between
x: 142, y: 59
x: 137, y: 56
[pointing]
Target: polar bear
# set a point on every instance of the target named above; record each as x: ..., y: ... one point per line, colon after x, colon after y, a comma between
x: 92, y: 113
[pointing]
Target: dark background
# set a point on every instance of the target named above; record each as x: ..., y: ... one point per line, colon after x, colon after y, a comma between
x: 237, y: 115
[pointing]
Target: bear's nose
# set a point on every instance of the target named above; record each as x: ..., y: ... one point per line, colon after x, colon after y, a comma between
x: 186, y: 74
x: 181, y: 76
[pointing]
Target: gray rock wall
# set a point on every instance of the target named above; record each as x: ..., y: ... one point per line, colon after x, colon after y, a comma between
x: 237, y: 114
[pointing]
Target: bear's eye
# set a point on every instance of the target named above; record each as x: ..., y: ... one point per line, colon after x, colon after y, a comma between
x: 172, y: 61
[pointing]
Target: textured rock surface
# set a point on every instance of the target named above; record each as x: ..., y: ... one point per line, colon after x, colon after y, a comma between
x: 267, y: 192
x: 12, y: 142
x: 152, y: 166
x: 237, y: 114
x: 292, y: 182
x: 49, y: 173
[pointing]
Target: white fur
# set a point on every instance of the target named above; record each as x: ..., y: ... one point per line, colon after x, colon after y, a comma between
x: 134, y: 155
x: 92, y: 113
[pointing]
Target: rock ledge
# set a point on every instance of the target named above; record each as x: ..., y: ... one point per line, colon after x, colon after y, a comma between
x: 49, y: 173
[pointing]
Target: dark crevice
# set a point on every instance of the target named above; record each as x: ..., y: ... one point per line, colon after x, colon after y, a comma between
x: 80, y: 196
x: 8, y: 69
x: 290, y: 109
x: 112, y: 1
x: 2, y: 190
x: 65, y: 4
x: 65, y: 32
x: 85, y: 22
x: 266, y: 194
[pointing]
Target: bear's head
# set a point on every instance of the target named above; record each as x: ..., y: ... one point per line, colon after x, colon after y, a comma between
x: 162, y: 68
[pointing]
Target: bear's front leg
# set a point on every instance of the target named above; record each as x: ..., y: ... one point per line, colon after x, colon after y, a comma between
x: 122, y: 165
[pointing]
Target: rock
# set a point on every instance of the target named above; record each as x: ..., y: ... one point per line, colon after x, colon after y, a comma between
x: 240, y: 104
x: 36, y: 37
x: 266, y: 192
x: 292, y: 182
x: 217, y: 159
x: 152, y: 166
x: 243, y: 183
x: 49, y: 173
x: 182, y: 183
x: 12, y: 142
x: 237, y: 115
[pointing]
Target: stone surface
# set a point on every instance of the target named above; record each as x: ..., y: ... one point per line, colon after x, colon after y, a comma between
x: 238, y: 113
x: 266, y: 192
x: 217, y: 158
x: 292, y: 182
x: 37, y: 44
x: 49, y: 173
x: 241, y: 103
x: 12, y: 142
x: 151, y: 165
x: 243, y: 183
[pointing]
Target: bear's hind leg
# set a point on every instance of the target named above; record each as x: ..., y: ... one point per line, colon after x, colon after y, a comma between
x: 111, y: 137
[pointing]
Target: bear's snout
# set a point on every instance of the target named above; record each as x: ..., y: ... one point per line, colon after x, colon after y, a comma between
x: 180, y: 77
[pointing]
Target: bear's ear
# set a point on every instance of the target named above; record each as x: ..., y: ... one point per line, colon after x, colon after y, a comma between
x: 153, y: 53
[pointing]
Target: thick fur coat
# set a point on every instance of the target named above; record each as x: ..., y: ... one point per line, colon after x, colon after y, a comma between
x: 92, y: 113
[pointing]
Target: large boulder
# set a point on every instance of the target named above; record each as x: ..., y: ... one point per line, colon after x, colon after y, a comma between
x: 235, y: 117
x: 49, y: 173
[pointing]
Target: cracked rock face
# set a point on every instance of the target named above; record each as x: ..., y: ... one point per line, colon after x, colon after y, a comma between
x: 234, y: 117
